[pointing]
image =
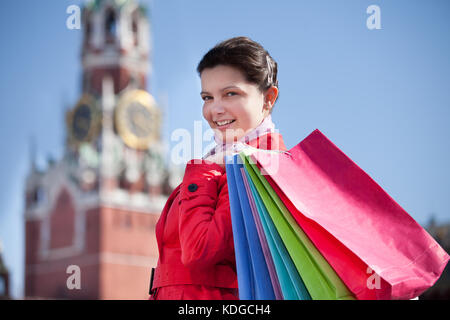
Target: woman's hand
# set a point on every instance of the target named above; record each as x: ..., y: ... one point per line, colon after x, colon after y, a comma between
x: 218, y: 158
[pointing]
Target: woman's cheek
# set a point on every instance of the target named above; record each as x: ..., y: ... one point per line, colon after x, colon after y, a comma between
x: 234, y: 109
x: 205, y: 112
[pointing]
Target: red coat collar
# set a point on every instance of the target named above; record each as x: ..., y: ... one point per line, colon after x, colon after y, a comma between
x: 269, y: 141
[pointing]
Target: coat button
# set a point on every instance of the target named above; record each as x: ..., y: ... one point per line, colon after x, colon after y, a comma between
x: 192, y: 187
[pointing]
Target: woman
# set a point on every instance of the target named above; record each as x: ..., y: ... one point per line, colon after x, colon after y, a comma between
x: 194, y: 233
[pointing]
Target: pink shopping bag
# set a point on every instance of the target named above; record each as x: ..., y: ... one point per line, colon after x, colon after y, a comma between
x: 355, y: 224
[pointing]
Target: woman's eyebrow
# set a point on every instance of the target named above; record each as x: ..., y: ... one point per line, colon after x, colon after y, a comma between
x: 228, y: 87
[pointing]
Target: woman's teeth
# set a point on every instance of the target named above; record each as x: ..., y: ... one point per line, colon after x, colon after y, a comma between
x: 222, y: 123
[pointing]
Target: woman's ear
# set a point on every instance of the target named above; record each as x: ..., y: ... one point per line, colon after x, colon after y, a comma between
x: 270, y: 97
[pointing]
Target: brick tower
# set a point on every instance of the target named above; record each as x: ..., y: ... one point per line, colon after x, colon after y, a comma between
x: 95, y: 210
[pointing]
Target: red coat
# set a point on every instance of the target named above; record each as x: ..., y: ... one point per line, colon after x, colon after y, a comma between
x: 194, y: 235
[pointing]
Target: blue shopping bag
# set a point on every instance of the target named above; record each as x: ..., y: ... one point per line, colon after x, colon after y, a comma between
x: 252, y: 263
x: 291, y: 284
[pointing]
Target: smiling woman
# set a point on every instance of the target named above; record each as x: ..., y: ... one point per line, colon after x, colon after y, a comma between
x: 231, y: 110
x: 194, y: 233
x: 239, y: 87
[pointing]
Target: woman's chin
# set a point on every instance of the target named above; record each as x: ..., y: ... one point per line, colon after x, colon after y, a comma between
x: 229, y: 139
x: 230, y: 135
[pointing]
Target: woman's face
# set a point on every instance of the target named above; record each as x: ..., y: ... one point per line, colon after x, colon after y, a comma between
x: 228, y: 97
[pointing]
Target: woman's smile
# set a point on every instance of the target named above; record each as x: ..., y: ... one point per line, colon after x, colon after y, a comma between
x: 224, y: 124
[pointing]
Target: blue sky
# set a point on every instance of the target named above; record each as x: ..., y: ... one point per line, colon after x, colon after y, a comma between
x: 382, y: 96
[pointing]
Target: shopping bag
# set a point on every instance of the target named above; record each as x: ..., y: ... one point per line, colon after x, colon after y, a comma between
x: 262, y: 239
x: 290, y: 282
x: 358, y: 277
x: 244, y: 270
x: 319, y: 278
x: 260, y: 285
x: 338, y: 197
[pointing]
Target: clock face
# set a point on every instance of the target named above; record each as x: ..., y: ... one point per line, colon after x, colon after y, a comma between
x: 137, y: 119
x: 83, y: 121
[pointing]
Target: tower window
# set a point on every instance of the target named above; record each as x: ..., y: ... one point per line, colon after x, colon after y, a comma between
x: 39, y: 196
x: 134, y: 26
x: 88, y: 30
x: 110, y: 26
x: 2, y: 286
x: 87, y: 36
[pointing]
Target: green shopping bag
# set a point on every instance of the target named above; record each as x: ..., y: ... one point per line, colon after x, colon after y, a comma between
x: 320, y: 279
x: 291, y: 284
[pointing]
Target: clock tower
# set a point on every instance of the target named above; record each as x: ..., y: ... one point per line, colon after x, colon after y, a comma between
x: 95, y: 210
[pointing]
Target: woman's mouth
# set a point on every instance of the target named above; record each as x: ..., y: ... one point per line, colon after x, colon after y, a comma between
x: 224, y: 124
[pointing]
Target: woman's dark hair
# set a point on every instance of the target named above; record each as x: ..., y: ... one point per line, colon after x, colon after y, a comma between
x: 246, y: 55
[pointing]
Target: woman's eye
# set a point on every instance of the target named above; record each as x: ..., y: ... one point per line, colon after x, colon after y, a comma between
x: 231, y: 94
x: 205, y: 98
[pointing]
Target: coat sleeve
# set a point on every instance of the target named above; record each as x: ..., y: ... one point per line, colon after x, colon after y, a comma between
x: 205, y: 222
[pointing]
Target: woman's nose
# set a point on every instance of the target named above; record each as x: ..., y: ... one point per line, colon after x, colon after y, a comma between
x: 218, y: 108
